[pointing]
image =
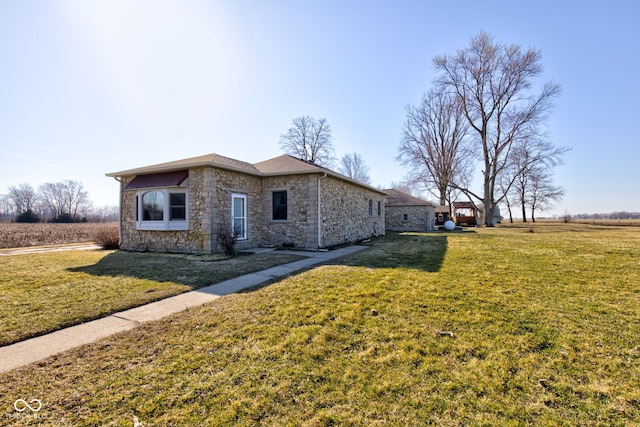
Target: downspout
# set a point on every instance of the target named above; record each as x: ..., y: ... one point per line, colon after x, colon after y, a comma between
x: 120, y: 212
x: 320, y: 213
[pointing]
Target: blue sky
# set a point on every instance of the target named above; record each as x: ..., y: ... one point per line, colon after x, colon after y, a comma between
x: 90, y: 87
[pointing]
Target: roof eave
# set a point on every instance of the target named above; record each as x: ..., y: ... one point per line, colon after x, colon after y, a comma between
x: 171, y: 168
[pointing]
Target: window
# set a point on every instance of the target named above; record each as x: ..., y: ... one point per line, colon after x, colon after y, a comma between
x: 161, y: 209
x: 153, y: 206
x: 239, y: 215
x: 379, y: 208
x: 279, y: 204
x: 370, y: 207
x: 177, y: 206
x: 405, y: 217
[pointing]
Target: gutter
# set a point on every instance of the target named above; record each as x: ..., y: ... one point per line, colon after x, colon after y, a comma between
x: 320, y: 212
x: 119, y: 179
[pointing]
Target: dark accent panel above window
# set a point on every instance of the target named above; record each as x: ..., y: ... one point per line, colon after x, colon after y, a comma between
x: 165, y: 179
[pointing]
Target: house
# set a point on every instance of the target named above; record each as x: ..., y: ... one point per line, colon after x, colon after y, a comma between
x: 404, y: 212
x: 281, y: 202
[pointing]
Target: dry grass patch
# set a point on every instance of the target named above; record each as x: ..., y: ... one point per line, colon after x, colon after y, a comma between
x: 43, y: 292
x: 544, y: 333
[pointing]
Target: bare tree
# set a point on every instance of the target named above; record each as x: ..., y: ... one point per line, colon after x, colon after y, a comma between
x: 353, y: 166
x: 542, y: 192
x: 64, y: 199
x: 493, y: 83
x: 310, y: 140
x: 529, y: 162
x: 6, y: 207
x: 24, y: 197
x: 433, y: 144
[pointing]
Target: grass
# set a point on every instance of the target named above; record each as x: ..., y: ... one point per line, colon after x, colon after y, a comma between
x: 43, y: 292
x: 531, y: 325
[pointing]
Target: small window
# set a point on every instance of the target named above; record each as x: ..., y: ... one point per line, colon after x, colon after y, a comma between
x: 405, y: 217
x: 379, y: 208
x: 177, y: 206
x: 279, y: 205
x: 370, y: 207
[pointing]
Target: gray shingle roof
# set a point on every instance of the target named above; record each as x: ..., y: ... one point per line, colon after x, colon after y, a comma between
x: 281, y: 165
x: 400, y: 198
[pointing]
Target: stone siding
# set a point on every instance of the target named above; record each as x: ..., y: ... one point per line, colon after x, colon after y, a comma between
x: 419, y: 218
x: 300, y: 229
x: 345, y: 212
x: 227, y: 184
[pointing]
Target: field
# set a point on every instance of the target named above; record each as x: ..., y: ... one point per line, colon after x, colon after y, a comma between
x: 19, y: 235
x: 516, y: 325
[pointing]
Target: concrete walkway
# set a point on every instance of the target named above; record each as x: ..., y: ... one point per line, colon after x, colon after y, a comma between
x: 39, y: 348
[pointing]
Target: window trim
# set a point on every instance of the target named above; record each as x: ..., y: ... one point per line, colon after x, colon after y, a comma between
x: 166, y: 224
x: 235, y: 196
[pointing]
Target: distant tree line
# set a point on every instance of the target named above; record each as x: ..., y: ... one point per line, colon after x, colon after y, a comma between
x: 612, y: 215
x: 64, y: 202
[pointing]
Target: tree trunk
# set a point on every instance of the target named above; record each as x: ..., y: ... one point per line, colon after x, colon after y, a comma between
x: 488, y: 201
x: 524, y: 213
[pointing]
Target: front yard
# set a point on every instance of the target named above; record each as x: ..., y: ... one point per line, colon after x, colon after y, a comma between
x: 504, y: 326
x: 43, y: 292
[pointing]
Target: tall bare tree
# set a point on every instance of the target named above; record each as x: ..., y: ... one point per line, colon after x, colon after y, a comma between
x: 494, y: 84
x: 353, y: 166
x: 23, y: 196
x: 434, y: 146
x: 310, y: 140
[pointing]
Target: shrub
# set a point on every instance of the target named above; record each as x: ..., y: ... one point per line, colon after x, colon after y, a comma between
x: 64, y: 218
x: 227, y: 239
x: 29, y: 216
x: 108, y: 237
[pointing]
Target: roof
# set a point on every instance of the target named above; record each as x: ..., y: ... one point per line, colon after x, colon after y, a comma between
x: 286, y: 164
x: 163, y: 179
x: 281, y: 165
x: 400, y: 198
x: 213, y: 160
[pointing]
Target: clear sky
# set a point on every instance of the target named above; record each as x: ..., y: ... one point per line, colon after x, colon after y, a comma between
x: 90, y: 87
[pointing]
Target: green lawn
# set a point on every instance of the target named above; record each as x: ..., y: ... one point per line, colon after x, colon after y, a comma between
x: 44, y: 292
x: 504, y: 326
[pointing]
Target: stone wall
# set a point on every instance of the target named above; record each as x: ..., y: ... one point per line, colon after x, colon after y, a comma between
x: 418, y: 218
x: 227, y: 184
x: 345, y: 212
x: 300, y: 229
